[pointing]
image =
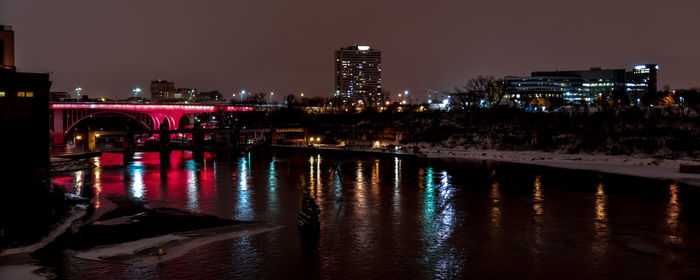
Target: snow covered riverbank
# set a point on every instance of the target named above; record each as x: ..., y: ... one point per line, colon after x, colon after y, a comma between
x: 624, y: 165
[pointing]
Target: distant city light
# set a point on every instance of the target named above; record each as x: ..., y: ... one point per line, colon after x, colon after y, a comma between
x: 136, y: 91
x: 363, y: 48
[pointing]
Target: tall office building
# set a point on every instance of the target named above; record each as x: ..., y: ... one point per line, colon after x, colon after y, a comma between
x: 7, y: 47
x: 358, y: 75
x: 641, y: 82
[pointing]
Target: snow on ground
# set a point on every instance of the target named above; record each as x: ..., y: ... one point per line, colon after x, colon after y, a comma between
x: 65, y: 164
x: 76, y: 213
x: 624, y: 165
x: 24, y: 271
x: 143, y: 252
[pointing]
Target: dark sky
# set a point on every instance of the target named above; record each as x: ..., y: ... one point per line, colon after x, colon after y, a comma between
x: 109, y: 47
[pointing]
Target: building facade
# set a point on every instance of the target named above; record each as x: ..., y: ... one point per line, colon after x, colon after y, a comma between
x: 641, y: 83
x: 7, y: 47
x: 358, y: 76
x: 163, y: 90
x: 24, y: 113
x: 583, y: 86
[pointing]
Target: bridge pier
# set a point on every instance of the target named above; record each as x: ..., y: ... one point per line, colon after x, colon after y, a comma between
x: 58, y: 133
x: 197, y: 139
x: 164, y: 144
x: 129, y: 145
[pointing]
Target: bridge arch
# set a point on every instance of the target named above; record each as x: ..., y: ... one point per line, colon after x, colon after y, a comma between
x: 143, y: 121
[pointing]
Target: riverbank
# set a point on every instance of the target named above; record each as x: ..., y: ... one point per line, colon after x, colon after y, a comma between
x: 662, y: 169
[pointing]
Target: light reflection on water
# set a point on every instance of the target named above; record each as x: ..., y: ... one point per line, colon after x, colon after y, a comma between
x: 538, y: 218
x: 427, y: 220
x: 192, y: 189
x: 272, y: 185
x: 396, y: 198
x: 495, y: 209
x: 137, y: 186
x: 243, y: 204
x: 439, y: 221
x: 673, y: 210
x: 601, y: 230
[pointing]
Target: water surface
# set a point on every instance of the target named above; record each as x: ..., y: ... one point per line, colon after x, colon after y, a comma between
x: 387, y: 217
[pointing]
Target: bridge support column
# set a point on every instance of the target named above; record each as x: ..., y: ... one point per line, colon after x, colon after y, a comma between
x: 164, y: 144
x: 197, y: 139
x: 91, y: 140
x: 129, y: 145
x: 58, y: 129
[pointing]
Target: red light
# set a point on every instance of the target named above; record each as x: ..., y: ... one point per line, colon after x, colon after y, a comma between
x: 160, y: 113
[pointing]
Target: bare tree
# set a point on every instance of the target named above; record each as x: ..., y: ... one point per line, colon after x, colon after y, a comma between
x: 256, y: 98
x: 487, y: 88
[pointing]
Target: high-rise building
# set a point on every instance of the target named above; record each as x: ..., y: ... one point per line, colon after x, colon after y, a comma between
x: 162, y: 90
x: 7, y: 47
x: 641, y: 82
x: 358, y: 75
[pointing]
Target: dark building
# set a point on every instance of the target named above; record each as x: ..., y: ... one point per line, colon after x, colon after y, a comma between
x: 7, y: 47
x: 24, y: 107
x: 209, y: 96
x: 58, y: 96
x: 358, y: 76
x: 162, y: 90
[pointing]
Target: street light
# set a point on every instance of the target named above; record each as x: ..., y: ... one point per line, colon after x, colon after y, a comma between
x: 271, y: 94
x: 242, y: 93
x: 77, y: 92
x: 136, y: 92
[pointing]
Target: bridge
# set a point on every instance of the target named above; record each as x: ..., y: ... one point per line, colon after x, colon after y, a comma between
x: 65, y: 116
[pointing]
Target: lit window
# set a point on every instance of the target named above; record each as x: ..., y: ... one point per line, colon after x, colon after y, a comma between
x: 2, y: 94
x: 30, y: 94
x: 20, y: 94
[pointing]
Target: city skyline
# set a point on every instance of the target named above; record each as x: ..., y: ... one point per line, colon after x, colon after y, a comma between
x: 234, y: 46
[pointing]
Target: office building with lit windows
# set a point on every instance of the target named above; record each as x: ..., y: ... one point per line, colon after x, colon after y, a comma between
x: 641, y: 82
x: 162, y: 90
x: 582, y: 86
x: 358, y: 76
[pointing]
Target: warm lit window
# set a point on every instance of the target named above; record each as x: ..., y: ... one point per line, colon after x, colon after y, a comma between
x: 20, y: 94
x: 2, y: 94
x: 30, y: 94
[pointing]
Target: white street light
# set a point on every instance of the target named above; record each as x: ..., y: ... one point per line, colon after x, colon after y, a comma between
x: 242, y: 93
x: 271, y: 94
x: 136, y: 92
x: 77, y: 92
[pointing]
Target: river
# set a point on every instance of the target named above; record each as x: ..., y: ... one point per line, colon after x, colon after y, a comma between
x: 388, y: 217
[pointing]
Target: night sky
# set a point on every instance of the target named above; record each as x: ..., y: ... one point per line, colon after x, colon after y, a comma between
x: 109, y: 47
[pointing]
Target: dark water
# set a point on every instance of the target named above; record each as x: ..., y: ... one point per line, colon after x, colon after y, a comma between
x: 385, y: 217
